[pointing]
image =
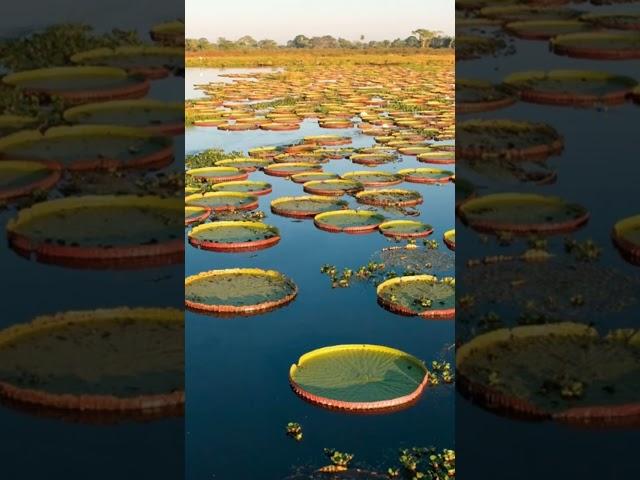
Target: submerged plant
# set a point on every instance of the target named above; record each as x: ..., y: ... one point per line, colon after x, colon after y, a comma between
x: 428, y: 463
x: 440, y: 372
x: 337, y: 458
x: 294, y: 430
x: 587, y: 251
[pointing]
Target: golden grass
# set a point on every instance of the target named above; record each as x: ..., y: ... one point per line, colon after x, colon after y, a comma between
x: 329, y: 57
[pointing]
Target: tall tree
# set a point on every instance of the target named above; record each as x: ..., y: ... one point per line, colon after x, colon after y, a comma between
x: 246, y: 42
x: 425, y: 36
x: 301, y: 41
x: 267, y: 44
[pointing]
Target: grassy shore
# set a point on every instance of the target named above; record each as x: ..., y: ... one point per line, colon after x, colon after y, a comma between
x: 291, y: 57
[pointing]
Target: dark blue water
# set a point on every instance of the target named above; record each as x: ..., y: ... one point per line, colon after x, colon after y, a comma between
x: 597, y: 169
x: 239, y: 399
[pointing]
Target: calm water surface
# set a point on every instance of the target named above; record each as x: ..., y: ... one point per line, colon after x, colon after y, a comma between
x: 239, y: 399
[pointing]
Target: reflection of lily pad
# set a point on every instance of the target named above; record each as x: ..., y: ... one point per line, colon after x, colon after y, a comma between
x: 358, y: 377
x: 469, y: 47
x: 549, y: 287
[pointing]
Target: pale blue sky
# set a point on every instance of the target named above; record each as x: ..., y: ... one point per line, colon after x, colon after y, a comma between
x: 281, y: 20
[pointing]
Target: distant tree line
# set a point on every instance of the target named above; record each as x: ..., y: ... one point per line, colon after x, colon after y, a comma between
x: 420, y: 38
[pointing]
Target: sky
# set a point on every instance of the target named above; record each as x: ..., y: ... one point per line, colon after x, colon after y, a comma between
x: 281, y: 20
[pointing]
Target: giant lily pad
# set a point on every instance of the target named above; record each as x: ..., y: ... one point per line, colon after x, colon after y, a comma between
x: 626, y: 236
x: 234, y: 236
x: 152, y: 115
x: 522, y: 213
x: 422, y: 295
x: 305, y: 206
x: 571, y: 87
x: 348, y: 221
x: 332, y: 187
x: 223, y: 201
x: 238, y: 291
x: 114, y: 362
x: 358, y: 377
x: 564, y: 371
x: 21, y: 178
x: 90, y: 147
x: 389, y: 197
x: 79, y: 84
x: 87, y: 231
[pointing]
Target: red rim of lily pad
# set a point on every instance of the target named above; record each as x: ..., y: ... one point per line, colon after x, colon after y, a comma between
x: 206, y: 212
x: 629, y: 250
x: 409, y: 175
x: 448, y: 241
x: 46, y: 183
